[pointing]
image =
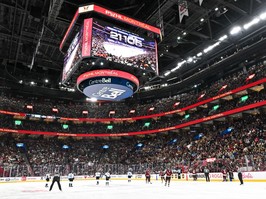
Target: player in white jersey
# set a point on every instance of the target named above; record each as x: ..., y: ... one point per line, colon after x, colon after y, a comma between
x: 107, y: 178
x: 47, y: 178
x: 97, y: 175
x: 70, y: 179
x: 129, y: 176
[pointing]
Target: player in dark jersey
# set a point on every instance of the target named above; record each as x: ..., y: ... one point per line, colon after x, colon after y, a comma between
x: 56, y: 178
x: 168, y: 174
x: 162, y: 176
x: 194, y: 175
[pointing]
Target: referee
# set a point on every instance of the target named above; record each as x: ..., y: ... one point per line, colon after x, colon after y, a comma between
x: 56, y: 178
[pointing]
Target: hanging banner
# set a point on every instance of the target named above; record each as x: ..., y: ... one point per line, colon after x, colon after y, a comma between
x: 200, y: 2
x: 183, y: 9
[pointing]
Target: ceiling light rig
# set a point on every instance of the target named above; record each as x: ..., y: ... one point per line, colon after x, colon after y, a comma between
x: 235, y: 30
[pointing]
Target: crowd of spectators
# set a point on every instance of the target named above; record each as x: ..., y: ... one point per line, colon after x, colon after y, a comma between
x: 243, y: 146
x: 139, y: 125
x: 102, y: 110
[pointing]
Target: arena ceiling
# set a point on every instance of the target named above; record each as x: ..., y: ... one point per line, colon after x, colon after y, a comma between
x: 31, y: 31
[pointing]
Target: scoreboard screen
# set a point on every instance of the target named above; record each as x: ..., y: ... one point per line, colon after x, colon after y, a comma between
x: 73, y: 56
x: 99, y: 39
x: 123, y: 47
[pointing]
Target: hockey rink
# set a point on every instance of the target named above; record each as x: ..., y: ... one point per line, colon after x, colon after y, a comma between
x: 133, y: 190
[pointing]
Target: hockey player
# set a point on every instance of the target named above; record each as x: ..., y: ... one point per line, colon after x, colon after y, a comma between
x: 47, y: 178
x: 107, y: 178
x: 162, y: 176
x: 231, y: 175
x: 194, y: 175
x: 129, y: 175
x: 224, y: 172
x: 56, y: 178
x: 168, y: 174
x: 240, y: 176
x: 70, y: 179
x: 148, y: 176
x: 207, y: 174
x: 97, y: 176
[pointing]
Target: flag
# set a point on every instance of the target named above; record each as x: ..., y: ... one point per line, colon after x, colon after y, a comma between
x: 223, y: 87
x: 183, y: 9
x: 250, y: 77
x: 200, y: 2
x: 201, y: 96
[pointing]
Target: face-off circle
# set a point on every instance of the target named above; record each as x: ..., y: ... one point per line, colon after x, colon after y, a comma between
x: 108, y: 85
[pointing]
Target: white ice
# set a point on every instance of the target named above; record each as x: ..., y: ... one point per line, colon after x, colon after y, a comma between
x: 134, y: 190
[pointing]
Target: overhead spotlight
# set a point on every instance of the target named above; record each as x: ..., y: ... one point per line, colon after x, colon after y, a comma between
x: 167, y: 73
x: 184, y: 33
x: 190, y: 59
x: 263, y: 16
x: 253, y: 22
x: 202, y: 19
x: 32, y: 83
x: 101, y: 63
x: 166, y: 50
x: 178, y: 38
x: 223, y: 38
x: 235, y: 30
x: 93, y: 99
x: 93, y: 63
x: 146, y: 87
x: 199, y: 54
x: 46, y: 80
x: 20, y: 81
x: 216, y: 9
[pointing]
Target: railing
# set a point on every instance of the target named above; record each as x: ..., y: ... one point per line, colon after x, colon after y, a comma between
x: 247, y: 163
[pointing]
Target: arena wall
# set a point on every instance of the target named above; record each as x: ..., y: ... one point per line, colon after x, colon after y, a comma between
x: 215, y: 177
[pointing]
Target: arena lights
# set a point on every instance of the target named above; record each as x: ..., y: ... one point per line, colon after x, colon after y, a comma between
x: 32, y: 83
x: 46, y: 80
x: 167, y: 73
x: 263, y: 16
x: 199, y: 54
x: 93, y: 99
x: 223, y: 38
x: 211, y: 47
x: 190, y: 59
x: 235, y: 30
x: 253, y: 22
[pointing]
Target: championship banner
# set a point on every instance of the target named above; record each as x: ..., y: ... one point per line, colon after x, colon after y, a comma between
x: 200, y: 2
x: 183, y: 9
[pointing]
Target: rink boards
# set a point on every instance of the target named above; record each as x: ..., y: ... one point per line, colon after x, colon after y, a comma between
x: 247, y: 176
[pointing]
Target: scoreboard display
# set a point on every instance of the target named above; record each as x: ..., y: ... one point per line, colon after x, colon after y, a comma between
x: 99, y: 39
x: 123, y: 47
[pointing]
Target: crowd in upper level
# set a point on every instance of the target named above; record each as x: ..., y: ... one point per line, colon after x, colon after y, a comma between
x: 102, y: 110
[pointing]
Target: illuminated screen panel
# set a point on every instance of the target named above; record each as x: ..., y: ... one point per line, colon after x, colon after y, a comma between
x: 123, y: 47
x: 73, y: 56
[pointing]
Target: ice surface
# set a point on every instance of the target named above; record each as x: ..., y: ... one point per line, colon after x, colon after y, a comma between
x: 134, y: 190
